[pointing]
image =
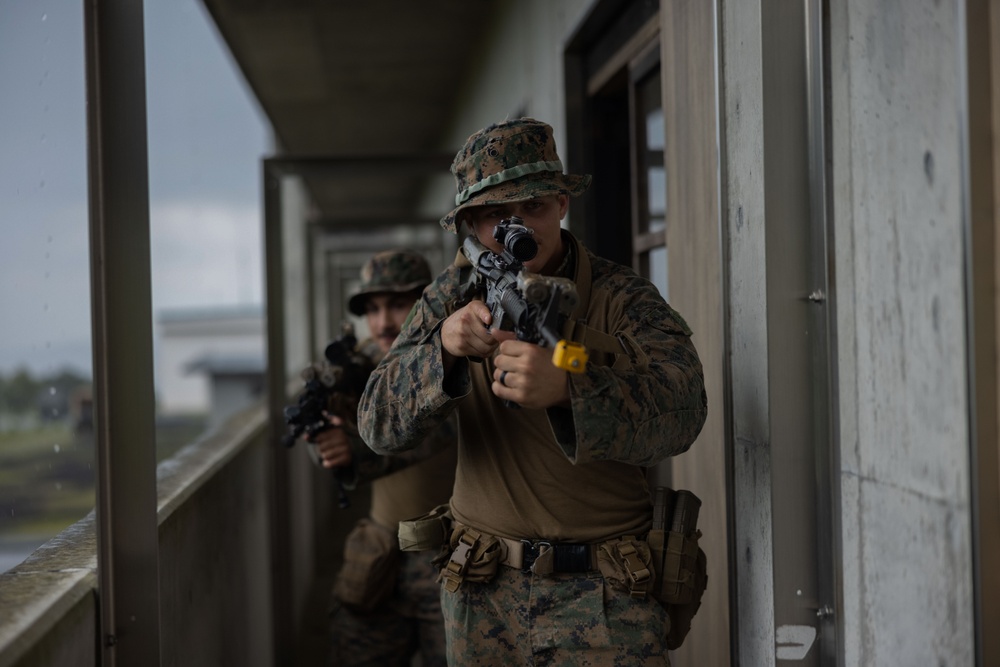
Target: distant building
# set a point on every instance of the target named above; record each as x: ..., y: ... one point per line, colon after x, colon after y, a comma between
x: 209, y: 360
x: 234, y: 382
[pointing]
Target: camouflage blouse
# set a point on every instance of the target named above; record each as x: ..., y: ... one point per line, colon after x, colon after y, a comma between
x: 546, y: 472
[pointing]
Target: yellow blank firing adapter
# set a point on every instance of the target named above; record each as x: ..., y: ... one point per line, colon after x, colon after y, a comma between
x: 570, y: 356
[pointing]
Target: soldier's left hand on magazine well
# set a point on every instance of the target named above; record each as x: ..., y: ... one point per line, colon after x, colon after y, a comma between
x: 531, y: 380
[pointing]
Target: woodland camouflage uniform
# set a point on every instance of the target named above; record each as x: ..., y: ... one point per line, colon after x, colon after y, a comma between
x: 387, y: 621
x: 546, y: 501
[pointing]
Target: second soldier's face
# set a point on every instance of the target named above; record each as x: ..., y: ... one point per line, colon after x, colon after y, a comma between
x: 386, y: 313
x: 542, y: 215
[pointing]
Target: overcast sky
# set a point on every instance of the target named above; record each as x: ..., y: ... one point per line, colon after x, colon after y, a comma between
x: 206, y: 139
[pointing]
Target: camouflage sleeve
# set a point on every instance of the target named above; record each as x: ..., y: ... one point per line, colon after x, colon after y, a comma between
x: 407, y: 396
x: 368, y: 465
x: 651, y: 403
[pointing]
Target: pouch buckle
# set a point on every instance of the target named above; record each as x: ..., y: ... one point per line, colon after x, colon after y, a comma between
x: 531, y: 552
x: 454, y: 570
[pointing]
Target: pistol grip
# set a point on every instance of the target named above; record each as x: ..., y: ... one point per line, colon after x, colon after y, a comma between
x: 570, y: 356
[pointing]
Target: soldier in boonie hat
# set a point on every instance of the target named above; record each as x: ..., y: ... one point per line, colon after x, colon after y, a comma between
x: 511, y: 161
x: 515, y: 524
x: 380, y: 611
x: 390, y: 272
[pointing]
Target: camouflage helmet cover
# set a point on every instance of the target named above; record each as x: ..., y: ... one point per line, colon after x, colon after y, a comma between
x: 390, y: 271
x: 512, y: 161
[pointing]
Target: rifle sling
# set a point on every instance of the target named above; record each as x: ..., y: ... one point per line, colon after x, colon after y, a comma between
x: 592, y: 339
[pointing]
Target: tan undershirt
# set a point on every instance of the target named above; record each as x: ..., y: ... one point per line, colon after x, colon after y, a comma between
x: 539, y: 494
x: 414, y: 490
x: 521, y: 484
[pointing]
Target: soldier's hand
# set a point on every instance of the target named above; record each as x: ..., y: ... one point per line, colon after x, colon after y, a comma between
x: 333, y: 445
x: 531, y: 380
x: 466, y: 331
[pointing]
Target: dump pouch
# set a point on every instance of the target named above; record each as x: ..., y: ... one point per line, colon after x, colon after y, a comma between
x: 681, y: 614
x: 680, y: 564
x: 427, y: 532
x: 677, y: 580
x: 371, y: 563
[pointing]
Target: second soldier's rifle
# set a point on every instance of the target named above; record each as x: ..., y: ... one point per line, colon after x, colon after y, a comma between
x: 332, y: 386
x: 531, y: 305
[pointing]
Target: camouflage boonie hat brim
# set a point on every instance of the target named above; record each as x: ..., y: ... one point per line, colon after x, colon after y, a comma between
x: 390, y: 272
x: 512, y: 161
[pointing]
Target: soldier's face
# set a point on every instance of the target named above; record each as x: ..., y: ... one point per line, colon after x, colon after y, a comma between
x: 386, y: 313
x: 542, y: 215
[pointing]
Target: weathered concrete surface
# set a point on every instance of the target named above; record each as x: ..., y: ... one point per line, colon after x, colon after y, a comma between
x: 743, y: 111
x: 897, y: 109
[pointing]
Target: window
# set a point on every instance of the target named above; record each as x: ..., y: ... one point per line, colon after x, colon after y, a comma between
x: 616, y: 131
x: 205, y: 229
x: 46, y: 440
x: 649, y: 175
x: 617, y: 134
x: 206, y: 138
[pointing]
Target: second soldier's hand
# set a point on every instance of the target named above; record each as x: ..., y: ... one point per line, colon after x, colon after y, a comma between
x: 333, y: 445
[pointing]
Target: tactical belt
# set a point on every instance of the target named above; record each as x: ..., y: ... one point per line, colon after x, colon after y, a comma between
x: 471, y: 558
x: 544, y: 557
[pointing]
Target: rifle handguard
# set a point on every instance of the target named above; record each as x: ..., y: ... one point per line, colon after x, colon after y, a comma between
x: 570, y: 356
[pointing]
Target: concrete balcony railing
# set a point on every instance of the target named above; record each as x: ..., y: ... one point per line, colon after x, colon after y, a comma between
x: 215, y: 562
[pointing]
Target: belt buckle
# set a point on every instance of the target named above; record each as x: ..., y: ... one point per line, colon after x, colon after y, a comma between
x: 531, y: 552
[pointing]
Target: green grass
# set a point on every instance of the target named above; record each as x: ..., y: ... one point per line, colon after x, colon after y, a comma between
x: 32, y: 443
x: 47, y: 480
x: 47, y: 475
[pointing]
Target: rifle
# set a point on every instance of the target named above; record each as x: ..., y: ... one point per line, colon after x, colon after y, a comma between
x: 531, y: 305
x: 332, y: 385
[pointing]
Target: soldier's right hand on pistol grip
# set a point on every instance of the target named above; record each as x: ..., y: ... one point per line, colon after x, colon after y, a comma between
x: 333, y: 445
x: 466, y: 332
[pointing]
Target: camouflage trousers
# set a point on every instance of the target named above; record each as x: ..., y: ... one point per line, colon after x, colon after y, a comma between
x: 407, y: 624
x: 521, y: 618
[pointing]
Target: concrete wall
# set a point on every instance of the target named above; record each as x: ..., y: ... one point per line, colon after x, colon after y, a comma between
x: 48, y: 603
x: 215, y: 567
x: 742, y: 111
x: 694, y: 233
x: 896, y: 110
x: 897, y: 113
x: 520, y: 73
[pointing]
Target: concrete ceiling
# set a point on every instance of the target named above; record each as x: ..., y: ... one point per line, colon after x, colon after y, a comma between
x: 370, y: 84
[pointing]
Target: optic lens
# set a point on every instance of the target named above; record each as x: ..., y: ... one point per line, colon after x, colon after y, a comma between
x: 521, y: 246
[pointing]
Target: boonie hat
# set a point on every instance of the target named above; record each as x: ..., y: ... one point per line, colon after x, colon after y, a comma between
x: 512, y: 161
x: 392, y: 271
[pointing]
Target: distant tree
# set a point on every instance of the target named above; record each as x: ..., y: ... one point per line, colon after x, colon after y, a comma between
x: 19, y: 392
x: 56, y: 394
x: 66, y: 381
x: 22, y: 392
